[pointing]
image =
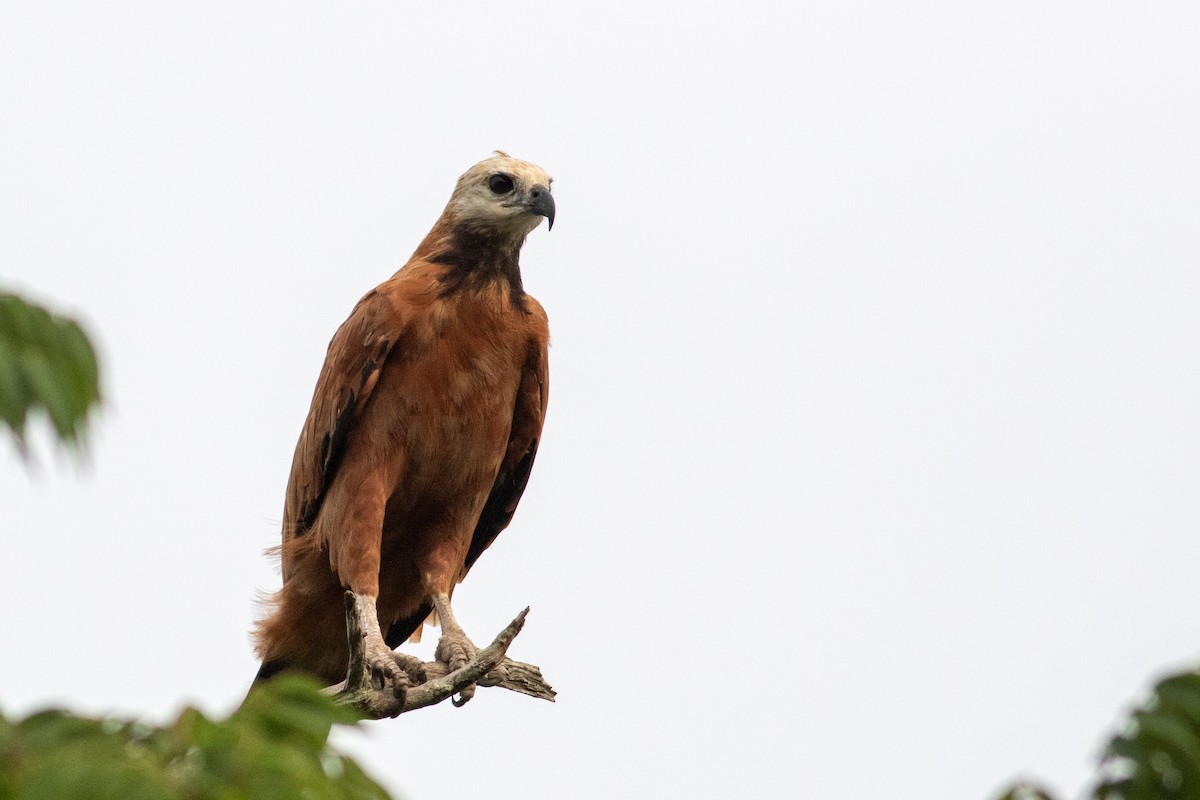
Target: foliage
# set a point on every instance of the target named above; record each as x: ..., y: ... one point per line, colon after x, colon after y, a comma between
x: 1026, y: 791
x: 275, y: 746
x: 47, y: 364
x: 1156, y: 756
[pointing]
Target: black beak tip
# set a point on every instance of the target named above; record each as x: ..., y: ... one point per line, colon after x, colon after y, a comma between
x: 543, y: 204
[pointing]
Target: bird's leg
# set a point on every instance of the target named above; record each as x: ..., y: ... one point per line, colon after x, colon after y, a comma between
x: 454, y: 649
x: 381, y: 666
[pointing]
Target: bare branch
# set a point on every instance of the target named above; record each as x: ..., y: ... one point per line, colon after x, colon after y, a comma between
x: 489, y: 667
x: 516, y: 676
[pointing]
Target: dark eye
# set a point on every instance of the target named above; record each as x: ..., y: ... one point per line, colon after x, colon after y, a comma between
x: 500, y: 183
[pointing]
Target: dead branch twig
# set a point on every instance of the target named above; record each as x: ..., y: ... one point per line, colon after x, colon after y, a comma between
x: 489, y: 667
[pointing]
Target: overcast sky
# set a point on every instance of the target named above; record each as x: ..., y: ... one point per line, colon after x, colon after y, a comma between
x: 872, y: 465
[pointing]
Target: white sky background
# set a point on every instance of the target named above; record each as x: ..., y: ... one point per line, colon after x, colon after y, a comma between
x: 872, y: 466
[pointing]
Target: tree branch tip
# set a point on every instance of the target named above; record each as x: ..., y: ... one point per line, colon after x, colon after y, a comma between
x: 490, y: 667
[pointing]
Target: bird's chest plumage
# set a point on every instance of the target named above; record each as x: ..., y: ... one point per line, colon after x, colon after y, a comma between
x: 454, y: 403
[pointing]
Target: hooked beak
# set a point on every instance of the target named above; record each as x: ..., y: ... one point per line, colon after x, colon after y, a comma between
x: 541, y: 202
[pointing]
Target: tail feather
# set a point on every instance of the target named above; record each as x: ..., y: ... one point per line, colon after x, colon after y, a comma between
x: 269, y: 669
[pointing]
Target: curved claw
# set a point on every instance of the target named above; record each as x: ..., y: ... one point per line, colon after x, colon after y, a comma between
x: 384, y: 671
x: 455, y: 650
x: 413, y: 668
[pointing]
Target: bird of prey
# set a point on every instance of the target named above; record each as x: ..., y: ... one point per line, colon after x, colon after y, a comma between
x: 419, y: 441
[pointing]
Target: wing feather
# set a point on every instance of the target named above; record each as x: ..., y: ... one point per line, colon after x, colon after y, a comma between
x: 356, y: 357
x: 526, y: 432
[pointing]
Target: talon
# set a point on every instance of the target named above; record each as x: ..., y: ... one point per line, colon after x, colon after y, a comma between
x: 411, y: 666
x: 455, y: 650
x: 385, y: 671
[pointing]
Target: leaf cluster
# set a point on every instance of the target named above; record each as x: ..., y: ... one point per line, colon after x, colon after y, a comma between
x: 47, y: 363
x: 1157, y: 754
x: 273, y: 747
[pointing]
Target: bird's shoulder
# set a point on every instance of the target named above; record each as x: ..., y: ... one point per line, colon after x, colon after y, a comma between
x: 387, y: 311
x: 536, y: 312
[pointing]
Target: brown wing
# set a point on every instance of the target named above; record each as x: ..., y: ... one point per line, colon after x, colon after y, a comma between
x: 510, y: 482
x: 353, y: 363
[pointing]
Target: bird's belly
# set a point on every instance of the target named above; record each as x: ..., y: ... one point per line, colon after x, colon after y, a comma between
x: 451, y: 458
x: 453, y: 432
x: 453, y: 454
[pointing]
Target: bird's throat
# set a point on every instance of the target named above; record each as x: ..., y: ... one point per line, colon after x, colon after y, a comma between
x: 475, y: 260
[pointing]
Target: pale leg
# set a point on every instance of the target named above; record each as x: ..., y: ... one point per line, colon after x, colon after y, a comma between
x: 454, y: 649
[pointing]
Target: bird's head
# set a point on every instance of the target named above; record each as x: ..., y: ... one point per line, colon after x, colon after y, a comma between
x: 502, y: 196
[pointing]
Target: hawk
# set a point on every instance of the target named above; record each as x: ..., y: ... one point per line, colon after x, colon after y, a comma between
x: 419, y: 442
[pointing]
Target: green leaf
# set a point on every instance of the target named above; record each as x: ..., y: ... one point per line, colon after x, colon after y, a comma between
x: 1169, y: 731
x: 47, y: 363
x: 47, y: 391
x: 1180, y: 694
x: 14, y: 396
x: 1026, y: 791
x: 1125, y: 789
x: 273, y: 748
